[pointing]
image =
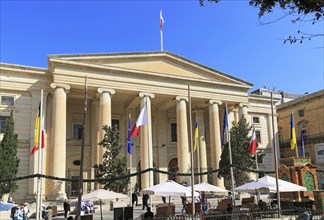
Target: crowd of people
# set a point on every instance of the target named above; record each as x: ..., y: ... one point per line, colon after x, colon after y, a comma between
x: 20, y: 213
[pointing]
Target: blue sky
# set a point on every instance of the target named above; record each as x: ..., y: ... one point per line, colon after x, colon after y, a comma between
x: 226, y: 36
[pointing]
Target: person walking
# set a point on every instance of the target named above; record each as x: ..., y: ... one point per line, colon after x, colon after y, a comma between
x: 66, y: 206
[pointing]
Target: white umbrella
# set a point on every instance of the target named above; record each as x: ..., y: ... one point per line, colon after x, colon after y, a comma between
x: 168, y: 188
x: 206, y: 187
x: 5, y: 206
x: 269, y: 183
x: 102, y: 194
x: 251, y: 187
x: 284, y: 186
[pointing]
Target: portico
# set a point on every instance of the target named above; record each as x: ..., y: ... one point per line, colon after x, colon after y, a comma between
x: 118, y: 86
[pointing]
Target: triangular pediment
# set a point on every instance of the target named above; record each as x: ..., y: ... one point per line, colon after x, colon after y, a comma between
x: 162, y: 64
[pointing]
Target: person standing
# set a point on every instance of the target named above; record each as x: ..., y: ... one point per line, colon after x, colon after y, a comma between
x: 184, y: 203
x: 134, y: 198
x: 25, y: 212
x: 145, y: 201
x: 66, y: 207
x: 9, y: 199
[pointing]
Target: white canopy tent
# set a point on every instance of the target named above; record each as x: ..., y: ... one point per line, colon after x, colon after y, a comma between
x: 169, y: 188
x: 102, y: 194
x: 269, y: 183
x: 206, y: 187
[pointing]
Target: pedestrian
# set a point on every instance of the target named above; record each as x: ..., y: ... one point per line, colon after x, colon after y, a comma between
x: 13, y: 212
x: 134, y: 198
x: 145, y: 201
x: 204, y: 202
x: 184, y: 203
x: 163, y: 199
x: 9, y: 199
x: 66, y: 206
x: 25, y: 211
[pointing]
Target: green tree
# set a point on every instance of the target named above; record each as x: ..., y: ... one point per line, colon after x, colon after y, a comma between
x: 113, y: 165
x: 241, y: 156
x: 9, y: 161
x: 300, y: 11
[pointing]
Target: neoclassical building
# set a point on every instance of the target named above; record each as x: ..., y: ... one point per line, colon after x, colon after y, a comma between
x: 118, y: 85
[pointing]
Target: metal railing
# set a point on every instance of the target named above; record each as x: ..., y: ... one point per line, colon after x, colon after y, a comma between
x: 292, y: 214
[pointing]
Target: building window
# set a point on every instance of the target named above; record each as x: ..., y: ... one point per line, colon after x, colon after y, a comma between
x: 174, y: 132
x: 258, y: 136
x: 77, y: 131
x: 3, y: 121
x: 304, y: 131
x: 256, y: 120
x: 301, y: 113
x: 7, y: 100
x: 115, y: 122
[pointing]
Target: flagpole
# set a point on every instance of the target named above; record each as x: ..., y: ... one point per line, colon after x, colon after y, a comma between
x: 38, y: 206
x: 41, y: 143
x: 275, y: 158
x: 191, y: 155
x: 228, y: 136
x: 131, y: 182
x: 198, y: 154
x: 148, y: 147
x: 129, y: 144
x: 161, y: 31
x: 78, y: 214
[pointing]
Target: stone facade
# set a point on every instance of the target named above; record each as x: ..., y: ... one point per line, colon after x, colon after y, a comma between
x: 308, y: 114
x: 118, y: 86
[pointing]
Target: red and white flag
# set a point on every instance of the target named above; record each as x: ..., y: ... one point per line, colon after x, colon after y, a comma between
x: 253, y: 144
x: 141, y: 120
x: 161, y: 21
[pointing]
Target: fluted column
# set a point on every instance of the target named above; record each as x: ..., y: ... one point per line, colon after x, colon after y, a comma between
x: 215, y: 140
x: 243, y: 111
x: 182, y: 139
x: 202, y: 145
x: 236, y: 116
x: 59, y: 139
x: 95, y: 110
x: 146, y: 149
x: 105, y: 115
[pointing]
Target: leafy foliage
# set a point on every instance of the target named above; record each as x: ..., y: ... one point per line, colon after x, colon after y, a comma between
x: 9, y: 161
x: 298, y: 9
x: 113, y: 165
x: 241, y: 156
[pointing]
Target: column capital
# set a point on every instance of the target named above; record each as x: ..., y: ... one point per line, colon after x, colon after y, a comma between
x: 242, y: 104
x: 60, y: 85
x: 214, y: 101
x: 143, y: 94
x: 178, y: 98
x: 103, y: 90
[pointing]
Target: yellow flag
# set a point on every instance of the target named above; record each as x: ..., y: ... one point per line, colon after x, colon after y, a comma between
x: 196, y: 136
x: 293, y: 140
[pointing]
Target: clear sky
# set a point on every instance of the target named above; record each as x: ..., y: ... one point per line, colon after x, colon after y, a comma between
x: 226, y: 36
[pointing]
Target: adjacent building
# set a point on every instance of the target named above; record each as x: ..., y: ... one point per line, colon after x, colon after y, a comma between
x: 308, y: 113
x: 118, y: 85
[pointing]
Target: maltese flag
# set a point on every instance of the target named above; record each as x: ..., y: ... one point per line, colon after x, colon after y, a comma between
x: 141, y: 120
x: 253, y: 144
x: 161, y: 20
